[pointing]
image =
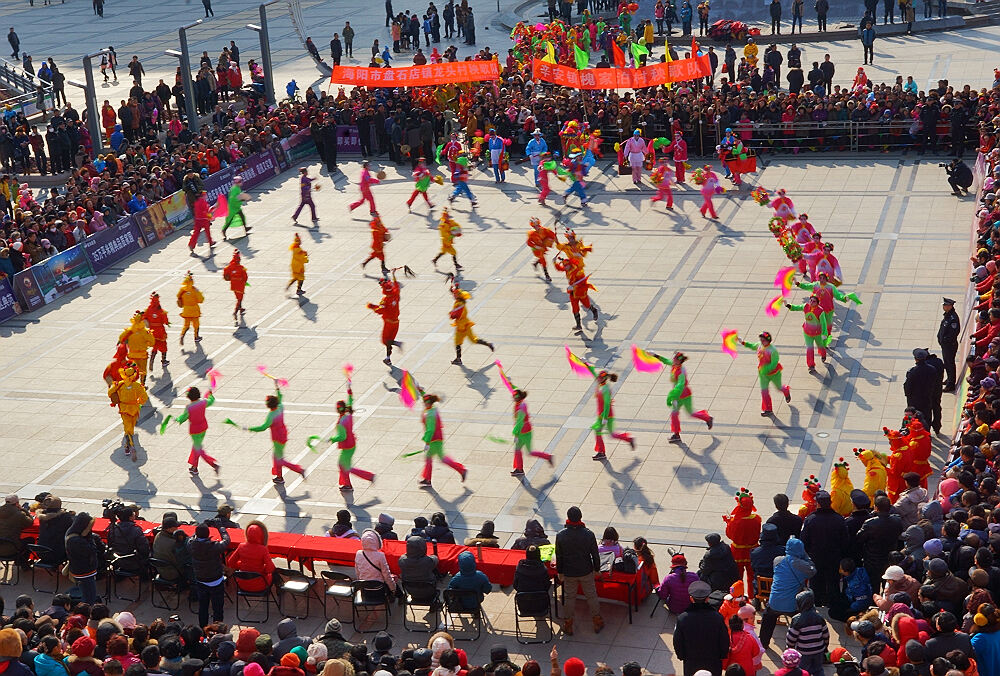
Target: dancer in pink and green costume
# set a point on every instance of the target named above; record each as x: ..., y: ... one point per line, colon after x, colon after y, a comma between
x: 815, y: 329
x: 768, y: 371
x: 680, y: 396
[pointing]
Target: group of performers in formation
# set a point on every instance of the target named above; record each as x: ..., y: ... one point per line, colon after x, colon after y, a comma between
x: 146, y: 335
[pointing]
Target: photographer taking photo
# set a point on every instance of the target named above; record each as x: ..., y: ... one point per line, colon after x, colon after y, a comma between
x: 959, y: 176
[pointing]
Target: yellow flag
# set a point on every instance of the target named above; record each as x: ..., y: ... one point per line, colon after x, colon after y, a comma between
x: 550, y: 53
x: 666, y: 49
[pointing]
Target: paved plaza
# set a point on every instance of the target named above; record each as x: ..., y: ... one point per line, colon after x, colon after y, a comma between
x: 667, y: 281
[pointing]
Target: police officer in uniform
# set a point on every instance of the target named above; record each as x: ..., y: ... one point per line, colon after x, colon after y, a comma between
x: 921, y: 381
x: 947, y: 338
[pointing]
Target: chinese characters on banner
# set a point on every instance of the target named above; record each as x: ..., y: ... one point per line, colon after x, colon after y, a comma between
x: 623, y: 78
x: 417, y: 76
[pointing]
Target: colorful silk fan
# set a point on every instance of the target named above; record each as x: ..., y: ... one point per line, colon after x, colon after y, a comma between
x: 785, y: 279
x: 773, y: 309
x: 579, y: 366
x: 504, y: 378
x: 409, y: 392
x: 729, y: 343
x: 213, y: 376
x: 279, y: 382
x: 644, y: 361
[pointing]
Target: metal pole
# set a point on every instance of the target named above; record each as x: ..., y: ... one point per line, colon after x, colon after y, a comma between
x: 265, y: 56
x: 90, y: 95
x: 188, y: 85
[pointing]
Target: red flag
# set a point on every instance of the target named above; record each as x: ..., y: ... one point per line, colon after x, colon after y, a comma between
x: 694, y: 47
x: 617, y: 55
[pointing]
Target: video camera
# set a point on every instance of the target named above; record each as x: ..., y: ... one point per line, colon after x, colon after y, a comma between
x: 116, y: 510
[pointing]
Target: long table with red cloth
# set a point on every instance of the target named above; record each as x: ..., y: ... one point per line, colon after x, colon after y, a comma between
x: 497, y: 564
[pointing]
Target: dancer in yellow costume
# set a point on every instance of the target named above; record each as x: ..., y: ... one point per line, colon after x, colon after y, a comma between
x: 463, y: 325
x: 449, y: 230
x: 138, y: 339
x: 299, y: 260
x: 189, y: 300
x: 131, y: 396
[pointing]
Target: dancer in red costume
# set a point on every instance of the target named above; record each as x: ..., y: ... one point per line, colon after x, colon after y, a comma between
x: 434, y: 441
x: 422, y: 177
x: 344, y: 438
x: 367, y: 181
x: 236, y: 275
x: 451, y: 150
x: 112, y: 372
x: 380, y: 235
x: 202, y: 222
x: 157, y: 321
x: 919, y: 445
x: 546, y: 171
x: 194, y: 414
x: 661, y: 179
x: 811, y: 487
x: 388, y: 308
x: 743, y: 530
x: 709, y: 188
x: 275, y: 422
x: 680, y: 152
x: 539, y: 241
x: 579, y: 286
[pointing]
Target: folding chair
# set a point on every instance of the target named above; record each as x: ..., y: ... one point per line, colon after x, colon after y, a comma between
x: 421, y: 595
x: 287, y: 581
x: 535, y: 605
x: 368, y: 597
x: 38, y: 553
x: 123, y: 569
x: 266, y: 595
x: 338, y: 587
x: 463, y: 603
x: 166, y: 579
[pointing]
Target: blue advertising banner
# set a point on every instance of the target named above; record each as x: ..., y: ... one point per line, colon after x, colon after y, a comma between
x: 65, y: 272
x: 9, y: 307
x: 107, y: 247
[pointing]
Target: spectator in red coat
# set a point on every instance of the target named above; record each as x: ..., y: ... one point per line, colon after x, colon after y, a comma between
x: 253, y: 556
x: 742, y: 647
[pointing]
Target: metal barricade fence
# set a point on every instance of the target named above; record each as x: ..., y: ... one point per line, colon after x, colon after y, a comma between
x: 844, y: 136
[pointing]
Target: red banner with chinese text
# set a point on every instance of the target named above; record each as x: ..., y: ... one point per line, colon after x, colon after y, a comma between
x: 622, y: 78
x: 417, y: 76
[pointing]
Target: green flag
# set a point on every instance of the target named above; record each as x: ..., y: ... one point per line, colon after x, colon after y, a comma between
x: 638, y: 51
x: 582, y: 58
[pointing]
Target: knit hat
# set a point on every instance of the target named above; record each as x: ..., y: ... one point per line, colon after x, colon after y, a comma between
x: 791, y: 658
x: 289, y: 660
x: 126, y: 619
x: 245, y: 641
x: 382, y: 642
x: 934, y: 547
x: 838, y: 654
x: 83, y: 646
x: 253, y: 669
x: 386, y: 519
x: 531, y: 668
x: 574, y: 666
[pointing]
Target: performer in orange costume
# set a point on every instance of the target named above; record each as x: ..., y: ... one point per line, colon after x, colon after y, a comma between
x: 743, y: 530
x: 388, y: 307
x: 579, y: 286
x: 298, y: 266
x: 811, y: 488
x: 156, y: 319
x: 112, y: 372
x: 380, y: 235
x: 899, y: 462
x: 919, y: 444
x: 236, y: 275
x: 463, y: 325
x: 202, y: 222
x: 539, y: 241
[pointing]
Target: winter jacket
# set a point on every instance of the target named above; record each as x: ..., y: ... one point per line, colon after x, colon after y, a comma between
x: 701, y: 640
x: 718, y: 568
x: 207, y: 556
x: 13, y: 520
x: 908, y: 505
x: 951, y: 592
x: 878, y: 536
x: 743, y: 649
x: 253, y: 556
x: 52, y: 527
x: 788, y: 524
x: 126, y: 538
x: 83, y: 665
x: 416, y: 565
x: 531, y: 576
x: 166, y: 548
x: 763, y: 555
x: 49, y: 666
x: 987, y: 648
x: 370, y: 562
x: 288, y: 638
x: 791, y: 572
x: 858, y: 590
x: 908, y: 584
x: 674, y: 589
x: 824, y: 535
x: 942, y: 644
x: 576, y: 551
x: 534, y: 534
x: 807, y: 632
x: 335, y: 644
x: 81, y: 550
x: 470, y: 579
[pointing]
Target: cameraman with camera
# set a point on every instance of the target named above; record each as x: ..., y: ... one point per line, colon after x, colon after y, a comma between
x: 126, y: 538
x: 959, y: 176
x: 14, y: 518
